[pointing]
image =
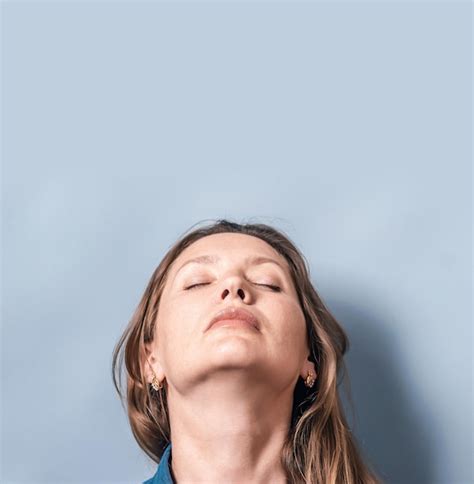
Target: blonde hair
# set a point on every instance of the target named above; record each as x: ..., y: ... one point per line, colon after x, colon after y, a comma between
x: 320, y: 447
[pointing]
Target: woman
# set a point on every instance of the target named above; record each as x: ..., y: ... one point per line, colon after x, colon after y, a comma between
x: 232, y: 362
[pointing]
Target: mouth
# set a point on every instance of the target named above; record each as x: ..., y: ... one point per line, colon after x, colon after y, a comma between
x: 233, y: 323
x: 233, y: 316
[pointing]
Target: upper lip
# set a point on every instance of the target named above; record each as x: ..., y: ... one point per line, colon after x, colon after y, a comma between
x: 235, y: 313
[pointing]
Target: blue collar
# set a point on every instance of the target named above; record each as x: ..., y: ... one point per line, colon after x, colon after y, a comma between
x: 162, y: 475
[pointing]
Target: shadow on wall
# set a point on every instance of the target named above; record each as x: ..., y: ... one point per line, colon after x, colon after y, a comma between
x: 392, y: 434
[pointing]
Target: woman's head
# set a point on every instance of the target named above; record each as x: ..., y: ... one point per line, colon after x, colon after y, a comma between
x: 219, y: 271
x: 256, y: 267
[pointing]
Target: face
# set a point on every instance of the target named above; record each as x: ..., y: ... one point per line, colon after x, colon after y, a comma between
x: 184, y: 353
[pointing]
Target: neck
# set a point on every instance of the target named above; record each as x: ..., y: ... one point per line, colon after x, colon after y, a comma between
x: 232, y: 435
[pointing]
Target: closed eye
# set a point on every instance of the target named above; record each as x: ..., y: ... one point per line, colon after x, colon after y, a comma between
x: 271, y: 286
x: 195, y: 285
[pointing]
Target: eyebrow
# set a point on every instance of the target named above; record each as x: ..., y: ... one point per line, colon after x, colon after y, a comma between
x: 212, y: 259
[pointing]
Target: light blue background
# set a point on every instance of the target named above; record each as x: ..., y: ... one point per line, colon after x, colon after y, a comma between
x: 347, y: 125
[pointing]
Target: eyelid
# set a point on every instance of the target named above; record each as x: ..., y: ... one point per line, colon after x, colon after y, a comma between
x: 273, y: 287
x: 277, y: 284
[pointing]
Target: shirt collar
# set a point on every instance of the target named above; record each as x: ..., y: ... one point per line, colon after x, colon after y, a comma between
x: 163, y: 474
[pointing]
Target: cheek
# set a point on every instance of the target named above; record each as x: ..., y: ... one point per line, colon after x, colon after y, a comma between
x: 169, y: 330
x: 288, y: 341
x: 291, y: 324
x: 177, y: 325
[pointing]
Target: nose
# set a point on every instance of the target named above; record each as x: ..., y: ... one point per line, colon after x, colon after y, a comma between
x: 235, y: 288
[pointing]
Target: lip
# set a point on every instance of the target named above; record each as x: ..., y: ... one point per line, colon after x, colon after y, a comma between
x: 233, y: 313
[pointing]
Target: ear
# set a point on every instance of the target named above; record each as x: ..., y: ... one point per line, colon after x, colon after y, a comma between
x: 152, y: 363
x: 308, y: 366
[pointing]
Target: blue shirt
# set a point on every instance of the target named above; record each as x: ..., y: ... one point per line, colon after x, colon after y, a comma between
x: 163, y: 474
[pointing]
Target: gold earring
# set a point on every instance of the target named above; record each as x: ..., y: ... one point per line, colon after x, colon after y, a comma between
x: 309, y: 380
x: 156, y: 384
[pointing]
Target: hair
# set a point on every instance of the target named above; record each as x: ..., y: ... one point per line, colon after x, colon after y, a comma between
x: 320, y: 447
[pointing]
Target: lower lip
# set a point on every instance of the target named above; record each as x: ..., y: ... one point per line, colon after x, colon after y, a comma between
x: 238, y: 323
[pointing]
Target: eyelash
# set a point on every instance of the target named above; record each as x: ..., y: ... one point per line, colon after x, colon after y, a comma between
x: 272, y: 287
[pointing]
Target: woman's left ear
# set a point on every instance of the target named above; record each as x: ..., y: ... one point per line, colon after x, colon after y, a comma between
x: 308, y: 368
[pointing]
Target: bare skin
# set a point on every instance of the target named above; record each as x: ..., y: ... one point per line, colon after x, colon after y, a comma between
x: 230, y: 389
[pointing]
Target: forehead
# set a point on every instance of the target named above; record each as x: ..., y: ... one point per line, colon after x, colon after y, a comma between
x: 230, y: 246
